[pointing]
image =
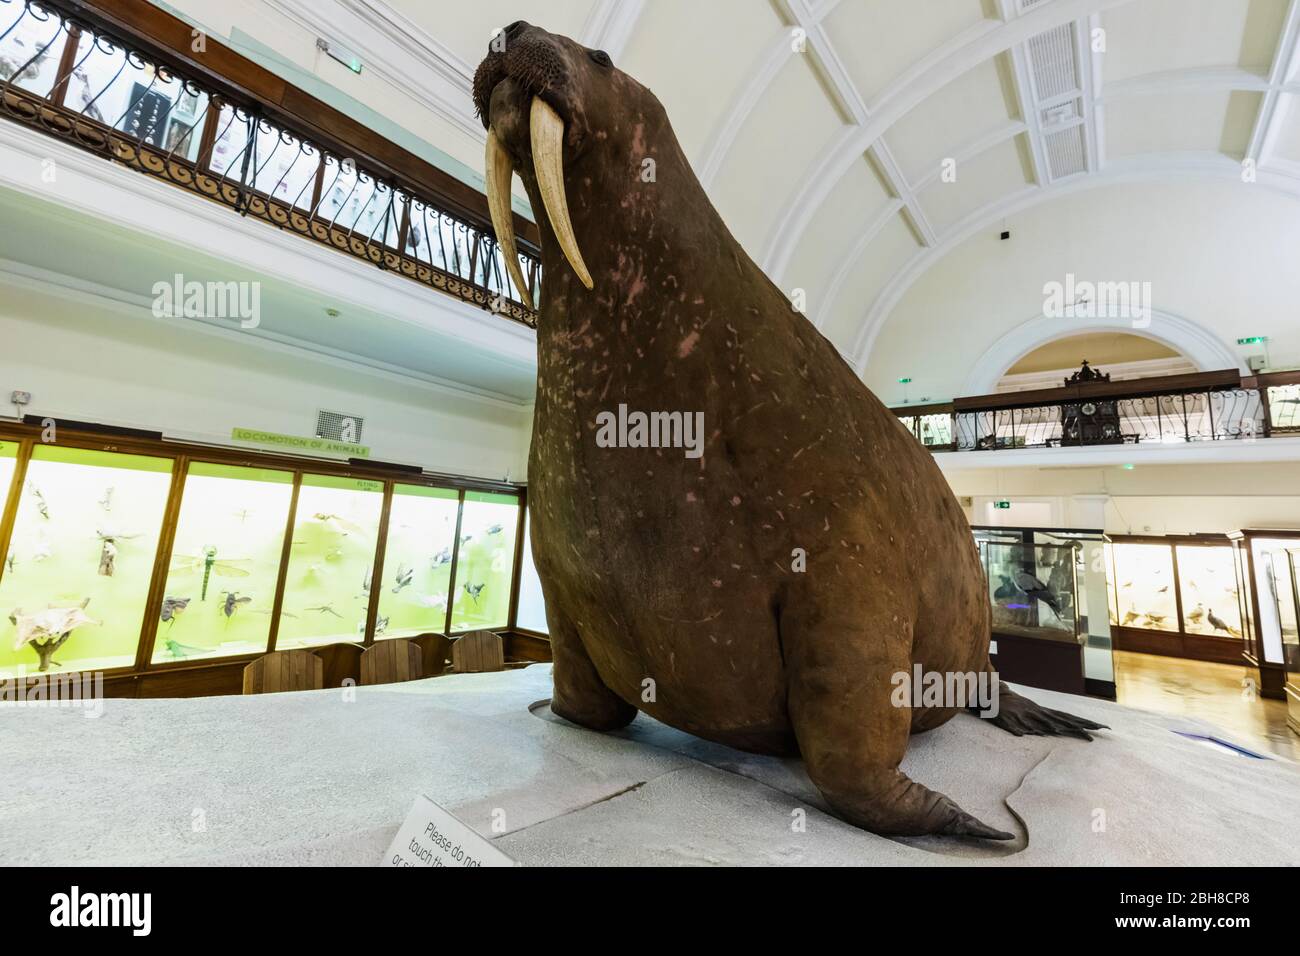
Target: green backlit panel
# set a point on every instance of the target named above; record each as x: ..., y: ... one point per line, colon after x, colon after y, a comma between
x: 327, y: 585
x: 225, y: 563
x: 485, y: 563
x: 86, y: 533
x: 417, y: 561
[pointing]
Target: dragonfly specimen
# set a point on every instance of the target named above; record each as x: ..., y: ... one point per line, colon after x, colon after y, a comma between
x: 207, y: 563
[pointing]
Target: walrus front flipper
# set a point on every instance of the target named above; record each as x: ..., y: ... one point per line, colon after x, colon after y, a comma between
x: 1021, y: 716
x: 851, y: 734
x: 580, y: 695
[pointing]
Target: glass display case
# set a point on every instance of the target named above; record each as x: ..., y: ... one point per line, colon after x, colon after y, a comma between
x: 134, y: 555
x: 489, y: 527
x: 331, y: 562
x: 417, y: 561
x: 1176, y: 596
x: 80, y: 559
x: 225, y: 563
x: 1267, y: 611
x: 1045, y: 557
x: 1033, y: 589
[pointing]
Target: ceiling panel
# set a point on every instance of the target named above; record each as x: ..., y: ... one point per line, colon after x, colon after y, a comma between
x: 789, y: 128
x: 969, y: 107
x: 1177, y: 122
x: 995, y: 173
x: 693, y: 72
x: 877, y: 40
x: 1154, y: 36
x: 856, y: 205
x: 883, y: 258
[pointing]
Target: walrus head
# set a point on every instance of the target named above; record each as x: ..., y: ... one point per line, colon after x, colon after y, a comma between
x: 556, y: 111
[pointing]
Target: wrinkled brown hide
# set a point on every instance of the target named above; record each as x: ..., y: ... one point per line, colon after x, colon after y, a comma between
x: 668, y: 581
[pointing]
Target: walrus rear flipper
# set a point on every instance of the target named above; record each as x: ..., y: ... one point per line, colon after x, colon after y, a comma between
x: 851, y: 732
x: 1022, y: 717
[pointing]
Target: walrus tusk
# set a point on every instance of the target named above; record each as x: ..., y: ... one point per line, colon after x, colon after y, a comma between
x: 499, y: 170
x: 547, y: 132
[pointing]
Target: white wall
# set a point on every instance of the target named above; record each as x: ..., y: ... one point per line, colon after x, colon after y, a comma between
x: 1219, y: 255
x: 1155, y: 499
x: 113, y: 366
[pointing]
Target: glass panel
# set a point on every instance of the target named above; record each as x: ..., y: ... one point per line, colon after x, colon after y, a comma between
x: 1144, y: 582
x: 327, y: 587
x: 1267, y: 551
x: 485, y: 563
x: 1286, y: 609
x: 34, y: 44
x: 129, y: 95
x: 1244, y: 597
x: 81, y: 559
x: 417, y: 561
x: 1207, y: 581
x: 230, y: 145
x: 225, y: 563
x: 284, y: 170
x: 8, y: 463
x: 1111, y: 591
x: 1284, y: 407
x: 1292, y: 648
x: 532, y: 607
x: 1033, y: 589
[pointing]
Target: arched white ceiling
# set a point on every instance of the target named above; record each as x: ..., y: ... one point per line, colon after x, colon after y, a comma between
x: 1219, y: 258
x: 821, y: 127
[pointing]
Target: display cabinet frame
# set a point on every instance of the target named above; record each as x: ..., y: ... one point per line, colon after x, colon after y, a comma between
x: 1180, y: 642
x: 1262, y: 648
x: 147, y: 677
x: 1292, y: 664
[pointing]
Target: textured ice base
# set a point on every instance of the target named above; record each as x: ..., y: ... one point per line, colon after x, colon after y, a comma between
x: 309, y: 778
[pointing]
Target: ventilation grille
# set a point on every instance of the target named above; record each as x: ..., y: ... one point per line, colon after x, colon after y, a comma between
x: 1066, y: 153
x: 339, y: 426
x: 1053, y: 62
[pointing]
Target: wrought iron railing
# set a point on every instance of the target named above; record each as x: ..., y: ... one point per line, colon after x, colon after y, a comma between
x: 75, y: 81
x: 1255, y: 408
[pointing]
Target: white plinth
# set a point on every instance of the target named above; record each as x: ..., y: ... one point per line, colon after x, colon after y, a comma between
x: 307, y: 778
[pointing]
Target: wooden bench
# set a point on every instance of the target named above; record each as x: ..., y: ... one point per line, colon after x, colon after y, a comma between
x: 284, y: 671
x: 391, y: 661
x: 435, y: 650
x: 478, y: 652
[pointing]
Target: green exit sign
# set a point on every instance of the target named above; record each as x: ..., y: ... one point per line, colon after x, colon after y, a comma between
x: 1002, y: 504
x: 1253, y: 340
x: 904, y: 381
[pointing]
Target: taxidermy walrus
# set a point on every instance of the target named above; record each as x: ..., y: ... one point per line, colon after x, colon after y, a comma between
x: 678, y: 585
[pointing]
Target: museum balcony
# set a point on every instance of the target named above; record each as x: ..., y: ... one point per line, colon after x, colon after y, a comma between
x: 1090, y: 419
x: 121, y: 127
